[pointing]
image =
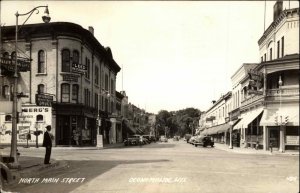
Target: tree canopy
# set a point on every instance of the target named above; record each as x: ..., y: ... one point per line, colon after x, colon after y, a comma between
x: 178, y: 122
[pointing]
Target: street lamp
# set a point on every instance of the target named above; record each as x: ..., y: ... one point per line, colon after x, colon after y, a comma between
x: 13, y: 151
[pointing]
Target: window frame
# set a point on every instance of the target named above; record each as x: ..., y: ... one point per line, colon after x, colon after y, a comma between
x: 65, y: 60
x: 41, y: 68
x: 62, y: 97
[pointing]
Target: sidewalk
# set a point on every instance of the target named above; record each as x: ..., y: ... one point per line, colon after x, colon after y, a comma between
x: 34, y: 167
x: 105, y: 146
x: 241, y: 150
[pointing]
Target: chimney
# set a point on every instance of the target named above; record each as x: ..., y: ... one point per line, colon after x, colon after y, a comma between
x: 91, y: 29
x: 277, y: 9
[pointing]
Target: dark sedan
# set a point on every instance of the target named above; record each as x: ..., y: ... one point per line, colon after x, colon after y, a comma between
x: 204, y: 141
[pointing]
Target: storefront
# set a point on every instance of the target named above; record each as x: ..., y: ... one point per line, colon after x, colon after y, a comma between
x: 282, y: 127
x: 75, y: 124
x: 30, y: 127
x: 248, y: 132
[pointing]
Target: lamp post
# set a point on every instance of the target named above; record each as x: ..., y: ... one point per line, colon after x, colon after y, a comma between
x: 13, y: 152
x: 281, y: 130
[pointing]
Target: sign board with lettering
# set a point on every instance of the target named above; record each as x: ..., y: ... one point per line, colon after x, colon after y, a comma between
x: 43, y: 100
x: 8, y: 64
x: 32, y: 118
x: 79, y: 68
x: 70, y: 77
x: 292, y: 140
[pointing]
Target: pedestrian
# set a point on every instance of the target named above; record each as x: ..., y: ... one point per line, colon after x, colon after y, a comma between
x: 47, y: 143
x: 271, y: 147
x: 257, y: 145
x: 76, y: 136
x: 141, y: 140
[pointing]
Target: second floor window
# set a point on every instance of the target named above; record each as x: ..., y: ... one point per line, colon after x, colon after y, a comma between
x: 75, y: 89
x: 282, y: 46
x: 87, y: 63
x: 5, y: 92
x: 41, y: 88
x: 65, y: 61
x: 65, y: 93
x: 271, y: 53
x: 75, y: 58
x: 278, y: 49
x: 41, y: 61
x: 96, y: 75
x: 106, y: 82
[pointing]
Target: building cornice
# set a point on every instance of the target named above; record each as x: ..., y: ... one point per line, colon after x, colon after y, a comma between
x: 55, y: 29
x: 275, y: 23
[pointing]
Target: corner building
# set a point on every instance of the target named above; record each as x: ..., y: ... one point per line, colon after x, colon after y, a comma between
x: 69, y: 64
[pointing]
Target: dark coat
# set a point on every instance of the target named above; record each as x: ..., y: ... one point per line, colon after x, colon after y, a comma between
x: 47, y: 140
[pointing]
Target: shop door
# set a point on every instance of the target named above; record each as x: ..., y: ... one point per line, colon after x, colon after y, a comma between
x: 274, y: 138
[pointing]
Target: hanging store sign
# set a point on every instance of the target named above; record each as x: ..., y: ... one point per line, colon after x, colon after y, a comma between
x: 8, y: 64
x: 255, y: 82
x: 43, y: 100
x: 70, y: 77
x: 79, y: 68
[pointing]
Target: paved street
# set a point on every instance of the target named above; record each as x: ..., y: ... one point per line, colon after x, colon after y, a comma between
x: 173, y: 167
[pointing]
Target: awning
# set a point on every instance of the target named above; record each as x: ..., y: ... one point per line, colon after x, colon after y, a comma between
x: 248, y: 118
x: 292, y: 114
x: 218, y: 129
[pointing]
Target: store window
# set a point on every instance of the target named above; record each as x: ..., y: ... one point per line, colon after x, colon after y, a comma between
x: 65, y: 60
x: 65, y: 93
x: 41, y: 61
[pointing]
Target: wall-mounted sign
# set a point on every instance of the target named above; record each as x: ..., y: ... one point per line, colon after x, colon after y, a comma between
x: 79, y: 68
x: 8, y: 64
x: 256, y: 92
x: 292, y: 140
x: 43, y: 100
x: 70, y: 77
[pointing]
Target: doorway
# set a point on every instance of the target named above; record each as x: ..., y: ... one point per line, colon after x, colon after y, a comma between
x: 274, y: 138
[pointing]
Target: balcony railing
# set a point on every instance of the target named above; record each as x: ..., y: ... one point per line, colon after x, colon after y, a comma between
x: 252, y: 99
x: 284, y: 92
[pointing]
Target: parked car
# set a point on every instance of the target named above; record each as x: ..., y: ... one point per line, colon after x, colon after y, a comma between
x: 176, y: 138
x: 149, y: 138
x: 132, y: 140
x: 204, y: 141
x: 163, y: 139
x: 192, y: 140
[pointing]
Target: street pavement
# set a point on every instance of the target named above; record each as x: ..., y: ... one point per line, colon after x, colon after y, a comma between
x: 173, y: 167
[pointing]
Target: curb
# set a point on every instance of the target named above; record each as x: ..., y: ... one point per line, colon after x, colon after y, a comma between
x: 259, y: 152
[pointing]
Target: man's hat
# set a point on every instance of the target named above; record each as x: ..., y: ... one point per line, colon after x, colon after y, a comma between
x: 48, y: 127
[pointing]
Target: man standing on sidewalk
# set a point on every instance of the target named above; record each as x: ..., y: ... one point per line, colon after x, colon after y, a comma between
x: 48, y: 144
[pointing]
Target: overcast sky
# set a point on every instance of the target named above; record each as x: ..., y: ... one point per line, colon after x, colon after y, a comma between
x: 173, y: 55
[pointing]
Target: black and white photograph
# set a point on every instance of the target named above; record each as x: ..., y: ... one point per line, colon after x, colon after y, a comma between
x: 102, y: 96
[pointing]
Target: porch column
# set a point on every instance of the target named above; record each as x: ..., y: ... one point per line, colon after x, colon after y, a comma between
x: 265, y: 138
x: 281, y: 139
x: 230, y: 137
x: 225, y: 137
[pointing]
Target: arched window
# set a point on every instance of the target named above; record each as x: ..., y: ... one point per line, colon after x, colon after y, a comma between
x: 8, y: 118
x: 65, y: 60
x: 65, y: 93
x: 75, y: 58
x: 75, y: 89
x: 41, y: 61
x: 41, y: 88
x: 39, y: 118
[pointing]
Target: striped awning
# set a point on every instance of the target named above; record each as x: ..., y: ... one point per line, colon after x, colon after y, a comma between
x: 248, y: 118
